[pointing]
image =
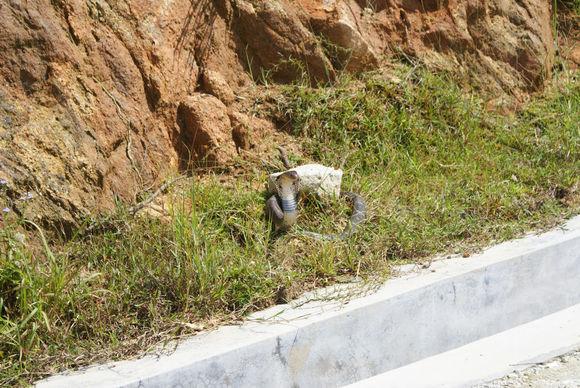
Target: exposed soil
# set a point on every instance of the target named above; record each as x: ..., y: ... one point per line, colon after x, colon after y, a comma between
x: 100, y: 99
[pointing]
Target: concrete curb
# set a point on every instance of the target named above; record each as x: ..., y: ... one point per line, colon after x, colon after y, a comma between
x: 489, y: 358
x: 327, y: 343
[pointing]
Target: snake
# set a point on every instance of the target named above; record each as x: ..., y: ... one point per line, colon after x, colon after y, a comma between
x: 283, y: 211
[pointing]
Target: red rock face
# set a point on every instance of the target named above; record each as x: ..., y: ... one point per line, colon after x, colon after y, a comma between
x: 505, y: 44
x: 206, y: 131
x: 90, y: 89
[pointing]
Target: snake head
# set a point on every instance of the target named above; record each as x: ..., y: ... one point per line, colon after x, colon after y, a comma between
x: 288, y: 183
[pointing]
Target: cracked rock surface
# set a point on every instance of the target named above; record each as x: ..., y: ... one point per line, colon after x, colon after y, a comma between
x: 90, y: 90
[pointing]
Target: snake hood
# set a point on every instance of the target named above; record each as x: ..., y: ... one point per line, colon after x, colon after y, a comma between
x: 281, y: 207
x: 288, y: 187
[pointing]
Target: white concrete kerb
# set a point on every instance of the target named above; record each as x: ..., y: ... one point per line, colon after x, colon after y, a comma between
x: 324, y: 343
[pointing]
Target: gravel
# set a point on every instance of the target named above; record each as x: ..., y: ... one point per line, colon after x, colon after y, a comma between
x: 561, y: 372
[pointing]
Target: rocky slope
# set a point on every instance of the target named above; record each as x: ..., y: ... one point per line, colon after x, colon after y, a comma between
x: 102, y: 98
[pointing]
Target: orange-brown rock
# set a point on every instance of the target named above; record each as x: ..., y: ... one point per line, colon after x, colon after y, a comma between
x: 245, y: 128
x: 90, y: 89
x: 504, y: 44
x: 279, y: 43
x: 215, y: 84
x: 206, y: 131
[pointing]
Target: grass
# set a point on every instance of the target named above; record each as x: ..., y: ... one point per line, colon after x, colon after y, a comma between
x: 440, y: 174
x: 572, y: 5
x: 436, y: 164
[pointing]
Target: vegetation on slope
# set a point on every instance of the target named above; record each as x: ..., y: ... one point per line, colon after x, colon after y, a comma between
x: 440, y: 174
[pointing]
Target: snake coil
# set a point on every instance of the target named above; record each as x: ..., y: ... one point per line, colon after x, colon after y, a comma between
x: 357, y: 217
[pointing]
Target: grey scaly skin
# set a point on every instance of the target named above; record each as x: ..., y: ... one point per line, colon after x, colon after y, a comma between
x: 282, y: 209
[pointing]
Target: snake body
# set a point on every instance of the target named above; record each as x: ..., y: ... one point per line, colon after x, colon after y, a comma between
x: 356, y: 218
x: 282, y: 209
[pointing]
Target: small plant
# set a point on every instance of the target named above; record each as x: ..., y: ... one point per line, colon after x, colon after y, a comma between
x: 338, y: 56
